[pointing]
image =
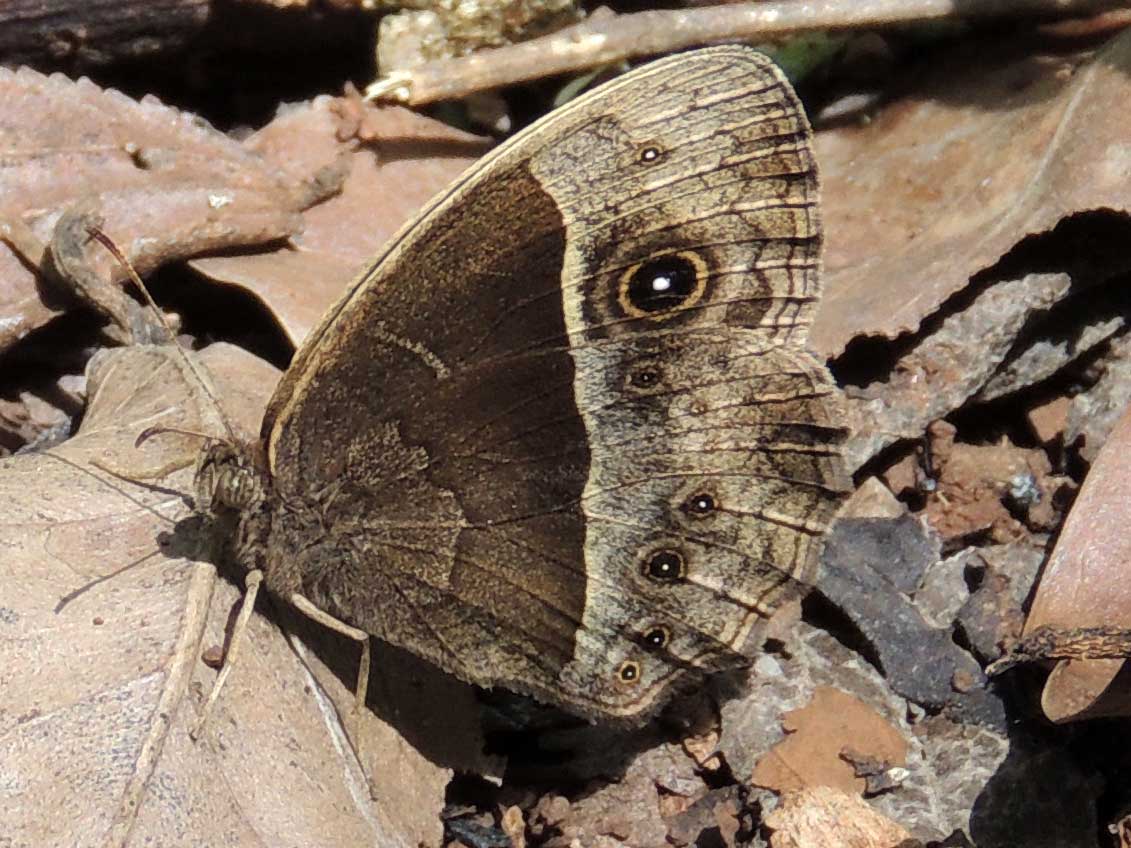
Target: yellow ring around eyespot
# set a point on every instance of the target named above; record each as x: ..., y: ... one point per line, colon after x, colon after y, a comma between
x: 680, y: 558
x: 635, y: 666
x: 663, y: 631
x: 700, y: 285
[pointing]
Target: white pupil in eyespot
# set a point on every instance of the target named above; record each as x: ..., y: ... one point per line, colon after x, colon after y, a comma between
x: 661, y: 284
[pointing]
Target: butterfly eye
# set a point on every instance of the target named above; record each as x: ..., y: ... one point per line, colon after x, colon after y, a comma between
x: 665, y: 566
x: 657, y: 637
x: 663, y: 284
x: 629, y: 671
x: 699, y: 504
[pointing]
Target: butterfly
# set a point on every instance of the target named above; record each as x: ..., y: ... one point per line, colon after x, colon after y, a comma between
x: 563, y: 435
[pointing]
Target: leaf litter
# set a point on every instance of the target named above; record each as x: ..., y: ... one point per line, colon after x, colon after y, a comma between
x: 975, y: 229
x: 395, y: 161
x: 167, y: 185
x: 103, y: 724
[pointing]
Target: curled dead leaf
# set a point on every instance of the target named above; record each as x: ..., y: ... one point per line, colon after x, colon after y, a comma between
x: 166, y: 184
x: 404, y: 160
x: 1085, y: 585
x: 992, y: 148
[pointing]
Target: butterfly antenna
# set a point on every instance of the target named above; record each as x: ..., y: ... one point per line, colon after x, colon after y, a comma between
x: 108, y: 243
x: 149, y: 432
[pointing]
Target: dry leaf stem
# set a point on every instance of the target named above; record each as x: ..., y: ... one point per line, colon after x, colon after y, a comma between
x: 606, y: 38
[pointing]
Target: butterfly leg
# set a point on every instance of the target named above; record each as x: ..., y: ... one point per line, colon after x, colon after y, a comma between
x: 251, y: 590
x: 307, y: 608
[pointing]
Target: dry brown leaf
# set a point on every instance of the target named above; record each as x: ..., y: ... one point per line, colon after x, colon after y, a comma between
x: 872, y: 499
x: 167, y: 185
x: 99, y: 695
x: 406, y: 160
x: 1085, y: 584
x: 514, y: 826
x: 823, y: 817
x: 811, y: 755
x: 726, y: 818
x: 704, y: 749
x: 941, y: 184
x: 1049, y: 420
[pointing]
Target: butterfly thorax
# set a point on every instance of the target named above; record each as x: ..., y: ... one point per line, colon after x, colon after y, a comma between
x: 287, y: 539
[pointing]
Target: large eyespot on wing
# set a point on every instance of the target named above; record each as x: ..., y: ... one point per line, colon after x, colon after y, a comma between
x: 692, y: 203
x: 659, y: 286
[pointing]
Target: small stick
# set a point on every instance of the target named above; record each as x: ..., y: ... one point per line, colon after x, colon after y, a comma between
x: 1077, y: 643
x: 607, y: 38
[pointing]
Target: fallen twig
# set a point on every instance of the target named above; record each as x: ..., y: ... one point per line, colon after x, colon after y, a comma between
x: 1079, y: 643
x: 607, y: 38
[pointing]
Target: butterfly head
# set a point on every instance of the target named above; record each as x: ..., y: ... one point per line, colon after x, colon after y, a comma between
x: 229, y: 477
